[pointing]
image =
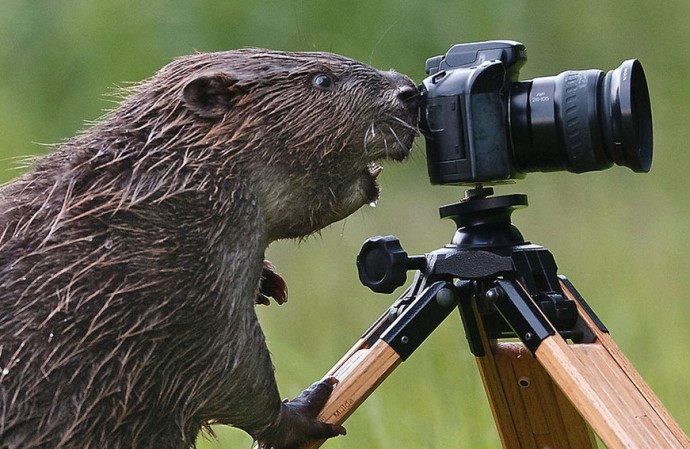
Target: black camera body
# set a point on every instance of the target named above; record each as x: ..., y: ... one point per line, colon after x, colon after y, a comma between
x: 482, y: 125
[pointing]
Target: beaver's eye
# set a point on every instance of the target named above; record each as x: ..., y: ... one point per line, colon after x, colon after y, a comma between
x: 322, y: 81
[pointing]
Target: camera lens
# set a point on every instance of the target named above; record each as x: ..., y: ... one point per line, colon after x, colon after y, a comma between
x: 582, y: 121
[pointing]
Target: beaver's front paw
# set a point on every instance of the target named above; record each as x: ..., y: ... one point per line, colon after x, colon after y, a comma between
x: 272, y: 286
x: 297, y: 422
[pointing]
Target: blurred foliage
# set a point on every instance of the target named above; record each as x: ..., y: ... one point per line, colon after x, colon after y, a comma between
x: 621, y: 238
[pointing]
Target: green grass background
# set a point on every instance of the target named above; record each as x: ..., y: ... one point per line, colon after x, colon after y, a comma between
x: 622, y: 238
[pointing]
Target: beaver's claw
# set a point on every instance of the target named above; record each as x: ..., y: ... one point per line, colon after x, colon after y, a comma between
x: 271, y: 286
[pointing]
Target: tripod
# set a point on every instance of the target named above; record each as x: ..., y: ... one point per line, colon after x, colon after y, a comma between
x: 565, y: 379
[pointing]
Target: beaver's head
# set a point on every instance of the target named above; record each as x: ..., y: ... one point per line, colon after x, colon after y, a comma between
x: 303, y: 131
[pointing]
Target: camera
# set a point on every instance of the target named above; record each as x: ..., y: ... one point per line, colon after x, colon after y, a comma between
x: 483, y: 126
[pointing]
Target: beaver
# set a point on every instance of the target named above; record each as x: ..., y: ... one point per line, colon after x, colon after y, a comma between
x: 132, y: 255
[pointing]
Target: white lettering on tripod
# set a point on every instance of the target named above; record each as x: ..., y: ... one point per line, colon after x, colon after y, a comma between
x: 343, y: 407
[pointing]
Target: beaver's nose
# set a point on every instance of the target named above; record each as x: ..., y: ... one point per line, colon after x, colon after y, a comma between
x: 408, y: 94
x: 404, y: 86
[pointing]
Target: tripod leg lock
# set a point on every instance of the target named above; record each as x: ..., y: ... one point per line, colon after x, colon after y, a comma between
x: 507, y: 311
x: 416, y: 322
x: 521, y: 313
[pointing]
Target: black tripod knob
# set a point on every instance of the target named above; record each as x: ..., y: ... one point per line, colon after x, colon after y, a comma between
x: 382, y: 264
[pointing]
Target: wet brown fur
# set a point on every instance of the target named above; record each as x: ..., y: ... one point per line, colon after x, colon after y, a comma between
x: 130, y: 256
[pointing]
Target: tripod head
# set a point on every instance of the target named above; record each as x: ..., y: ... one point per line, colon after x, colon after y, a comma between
x: 484, y: 221
x: 513, y: 282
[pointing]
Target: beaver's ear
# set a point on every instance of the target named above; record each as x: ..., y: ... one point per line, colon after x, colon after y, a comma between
x: 211, y: 95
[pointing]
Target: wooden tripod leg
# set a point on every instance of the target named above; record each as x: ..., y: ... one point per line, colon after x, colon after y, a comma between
x: 359, y: 372
x: 530, y: 411
x: 609, y: 393
x: 550, y: 399
x: 383, y: 347
x: 607, y: 396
